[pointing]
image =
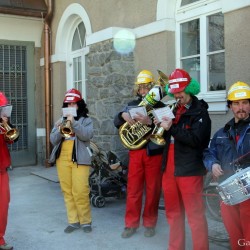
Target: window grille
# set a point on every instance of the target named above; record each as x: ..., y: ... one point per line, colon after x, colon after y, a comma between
x: 13, y: 82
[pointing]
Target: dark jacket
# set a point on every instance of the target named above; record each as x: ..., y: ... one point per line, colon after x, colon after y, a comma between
x: 152, y: 149
x: 225, y: 151
x: 191, y: 136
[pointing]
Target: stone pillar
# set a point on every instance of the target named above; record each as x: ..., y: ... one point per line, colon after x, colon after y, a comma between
x: 110, y: 80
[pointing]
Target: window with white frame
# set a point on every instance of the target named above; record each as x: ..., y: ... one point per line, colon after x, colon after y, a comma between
x: 77, y: 57
x: 200, y: 48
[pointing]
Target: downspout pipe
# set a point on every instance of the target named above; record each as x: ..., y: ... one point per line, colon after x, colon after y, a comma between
x: 47, y: 78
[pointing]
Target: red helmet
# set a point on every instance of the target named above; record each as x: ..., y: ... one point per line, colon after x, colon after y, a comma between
x: 3, y: 99
x: 178, y: 81
x: 72, y: 95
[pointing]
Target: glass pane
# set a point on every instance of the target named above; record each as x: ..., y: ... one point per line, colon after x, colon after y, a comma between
x: 82, y: 32
x: 76, y: 68
x: 190, y: 38
x: 192, y: 66
x: 77, y: 73
x: 216, y: 32
x: 79, y: 37
x: 216, y: 73
x: 76, y: 44
x: 185, y: 2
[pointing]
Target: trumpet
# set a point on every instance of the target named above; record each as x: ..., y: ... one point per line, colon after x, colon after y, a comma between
x: 157, y: 134
x: 10, y: 133
x: 66, y: 129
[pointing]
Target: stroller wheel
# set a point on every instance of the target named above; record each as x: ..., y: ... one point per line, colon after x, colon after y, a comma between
x: 92, y: 200
x: 99, y: 201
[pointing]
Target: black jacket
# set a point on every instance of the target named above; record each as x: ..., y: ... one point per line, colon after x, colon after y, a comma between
x: 191, y: 136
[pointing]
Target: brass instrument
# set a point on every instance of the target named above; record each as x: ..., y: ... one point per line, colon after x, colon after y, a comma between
x: 10, y: 134
x: 137, y: 135
x: 66, y: 129
x: 157, y: 134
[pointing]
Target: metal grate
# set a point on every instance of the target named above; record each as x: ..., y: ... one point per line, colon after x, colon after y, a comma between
x: 13, y: 82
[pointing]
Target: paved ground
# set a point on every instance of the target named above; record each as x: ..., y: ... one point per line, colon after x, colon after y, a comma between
x: 37, y: 219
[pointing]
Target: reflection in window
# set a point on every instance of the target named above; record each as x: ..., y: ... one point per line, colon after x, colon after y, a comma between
x: 190, y: 48
x: 192, y: 66
x: 185, y: 2
x: 190, y: 38
x: 216, y: 72
x: 216, y: 55
x: 216, y: 32
x: 79, y: 37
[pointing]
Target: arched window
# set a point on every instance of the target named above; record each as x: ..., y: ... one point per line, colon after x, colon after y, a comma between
x: 77, y: 57
x: 200, y: 47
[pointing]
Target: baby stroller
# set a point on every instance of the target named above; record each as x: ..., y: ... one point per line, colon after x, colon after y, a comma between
x: 107, y: 178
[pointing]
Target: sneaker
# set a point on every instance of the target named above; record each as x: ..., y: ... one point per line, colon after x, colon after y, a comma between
x: 71, y: 227
x: 87, y: 229
x: 6, y: 247
x: 149, y: 232
x: 128, y: 232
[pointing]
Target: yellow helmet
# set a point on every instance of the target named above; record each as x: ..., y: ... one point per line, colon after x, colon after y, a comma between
x: 238, y: 91
x: 144, y: 77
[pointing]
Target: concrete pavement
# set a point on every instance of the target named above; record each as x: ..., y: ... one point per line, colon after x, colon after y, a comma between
x: 37, y: 218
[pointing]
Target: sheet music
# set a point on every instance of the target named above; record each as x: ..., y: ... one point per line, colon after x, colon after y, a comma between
x: 137, y: 109
x: 161, y: 112
x: 69, y: 111
x: 6, y: 111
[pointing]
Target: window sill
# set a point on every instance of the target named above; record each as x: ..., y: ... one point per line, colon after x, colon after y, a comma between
x: 216, y: 100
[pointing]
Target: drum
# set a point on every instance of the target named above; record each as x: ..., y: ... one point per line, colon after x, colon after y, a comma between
x: 236, y: 188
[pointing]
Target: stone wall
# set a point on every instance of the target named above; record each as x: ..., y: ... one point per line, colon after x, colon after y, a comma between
x: 111, y: 77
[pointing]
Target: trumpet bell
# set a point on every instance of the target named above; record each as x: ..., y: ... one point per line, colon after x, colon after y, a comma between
x: 11, y: 134
x: 157, y: 138
x: 65, y: 129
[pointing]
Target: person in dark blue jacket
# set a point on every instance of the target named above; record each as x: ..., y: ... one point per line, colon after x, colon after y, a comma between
x: 187, y: 135
x: 227, y: 153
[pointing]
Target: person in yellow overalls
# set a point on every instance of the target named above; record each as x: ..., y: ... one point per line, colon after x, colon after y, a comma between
x: 73, y: 161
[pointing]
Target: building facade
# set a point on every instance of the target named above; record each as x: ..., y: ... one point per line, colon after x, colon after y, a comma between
x: 99, y: 47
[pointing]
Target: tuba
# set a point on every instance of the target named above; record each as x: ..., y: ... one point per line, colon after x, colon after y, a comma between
x: 66, y: 129
x: 137, y: 135
x: 10, y: 133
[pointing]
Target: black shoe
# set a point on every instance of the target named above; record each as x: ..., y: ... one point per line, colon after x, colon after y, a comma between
x: 87, y: 228
x: 6, y: 247
x: 128, y: 232
x: 71, y: 227
x: 149, y: 232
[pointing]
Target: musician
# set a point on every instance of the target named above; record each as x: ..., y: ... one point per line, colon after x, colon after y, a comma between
x: 5, y: 163
x: 144, y: 170
x: 229, y: 151
x: 73, y: 162
x: 182, y: 182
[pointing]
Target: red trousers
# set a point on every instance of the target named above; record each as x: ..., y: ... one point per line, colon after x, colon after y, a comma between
x: 183, y: 195
x: 4, y: 204
x: 237, y: 222
x: 143, y: 171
